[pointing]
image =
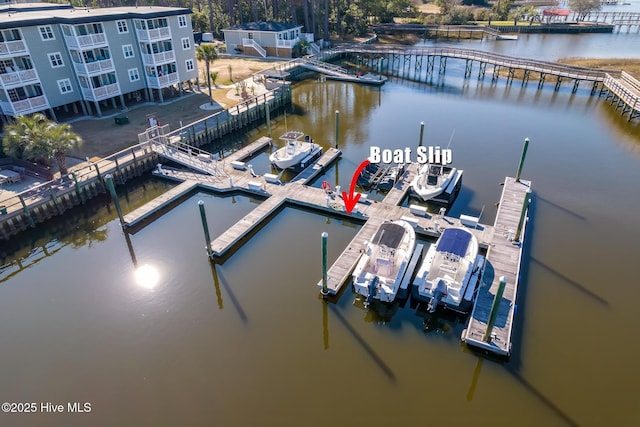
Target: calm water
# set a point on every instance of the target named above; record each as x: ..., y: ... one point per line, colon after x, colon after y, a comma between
x: 248, y: 342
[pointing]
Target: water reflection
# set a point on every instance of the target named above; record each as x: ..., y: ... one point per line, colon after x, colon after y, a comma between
x: 147, y: 276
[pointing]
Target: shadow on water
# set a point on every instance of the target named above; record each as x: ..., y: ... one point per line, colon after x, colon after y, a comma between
x: 366, y: 347
x: 562, y: 208
x: 220, y: 279
x: 572, y: 282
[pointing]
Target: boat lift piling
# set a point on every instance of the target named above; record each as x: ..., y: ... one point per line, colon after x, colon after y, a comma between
x: 494, y: 308
x: 337, y: 127
x: 525, y: 208
x: 421, y: 133
x: 325, y: 290
x: 524, y: 154
x: 109, y: 181
x: 205, y: 228
x: 268, y: 116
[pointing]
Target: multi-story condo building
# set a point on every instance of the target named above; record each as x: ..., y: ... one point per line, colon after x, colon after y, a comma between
x: 65, y: 61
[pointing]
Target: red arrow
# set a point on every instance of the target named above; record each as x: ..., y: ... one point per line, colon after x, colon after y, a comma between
x: 349, y: 199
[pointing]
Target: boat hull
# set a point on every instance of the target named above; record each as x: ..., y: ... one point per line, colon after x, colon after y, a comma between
x: 382, y: 267
x: 296, y: 161
x: 427, y: 186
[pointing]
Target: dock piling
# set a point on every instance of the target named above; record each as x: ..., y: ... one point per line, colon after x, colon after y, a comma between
x: 268, y: 116
x: 109, y: 181
x: 421, y: 133
x: 325, y: 290
x: 524, y: 154
x: 337, y: 126
x: 525, y: 206
x: 205, y: 227
x: 494, y: 308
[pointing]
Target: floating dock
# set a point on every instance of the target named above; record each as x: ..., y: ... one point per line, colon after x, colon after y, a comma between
x: 503, y: 256
x: 503, y: 259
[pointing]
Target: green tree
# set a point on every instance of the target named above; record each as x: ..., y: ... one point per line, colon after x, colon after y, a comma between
x: 501, y: 9
x: 208, y: 53
x: 584, y: 7
x: 35, y: 137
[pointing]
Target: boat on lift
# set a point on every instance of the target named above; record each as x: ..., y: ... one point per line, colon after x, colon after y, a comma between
x: 296, y: 153
x: 382, y: 266
x: 432, y: 180
x: 450, y: 272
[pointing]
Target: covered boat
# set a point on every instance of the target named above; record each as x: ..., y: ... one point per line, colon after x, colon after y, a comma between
x: 450, y: 271
x: 379, y: 272
x: 432, y: 180
x: 296, y: 153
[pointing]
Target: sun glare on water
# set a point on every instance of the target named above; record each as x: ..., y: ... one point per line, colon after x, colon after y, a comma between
x: 147, y: 276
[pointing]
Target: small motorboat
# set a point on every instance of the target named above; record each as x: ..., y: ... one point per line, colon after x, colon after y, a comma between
x: 296, y: 153
x: 381, y: 268
x: 450, y: 271
x: 432, y: 180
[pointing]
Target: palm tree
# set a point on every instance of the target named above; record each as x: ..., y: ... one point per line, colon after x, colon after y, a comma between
x: 208, y: 53
x: 36, y: 137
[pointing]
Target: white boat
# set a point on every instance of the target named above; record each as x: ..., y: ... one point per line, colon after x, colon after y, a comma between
x: 450, y: 271
x: 296, y: 153
x: 379, y: 272
x: 432, y: 180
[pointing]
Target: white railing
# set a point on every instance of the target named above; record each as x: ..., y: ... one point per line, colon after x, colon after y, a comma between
x: 98, y: 39
x: 12, y: 47
x: 94, y: 67
x: 100, y: 93
x: 155, y: 34
x: 314, y: 48
x: 252, y: 43
x: 25, y: 106
x: 286, y: 43
x: 158, y: 82
x: 158, y: 58
x: 18, y: 77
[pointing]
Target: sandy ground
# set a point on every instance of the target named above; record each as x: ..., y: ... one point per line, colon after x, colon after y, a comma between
x: 103, y: 137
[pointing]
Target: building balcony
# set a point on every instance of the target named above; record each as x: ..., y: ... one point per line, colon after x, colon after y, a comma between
x: 155, y: 34
x: 24, y: 106
x: 18, y: 78
x: 100, y: 93
x: 158, y: 58
x: 86, y: 41
x: 11, y: 48
x: 158, y: 82
x: 96, y: 67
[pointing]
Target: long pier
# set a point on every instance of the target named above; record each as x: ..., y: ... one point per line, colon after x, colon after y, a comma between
x: 503, y: 260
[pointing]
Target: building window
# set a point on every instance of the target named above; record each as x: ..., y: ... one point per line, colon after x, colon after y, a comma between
x: 65, y: 86
x: 134, y: 76
x: 189, y: 64
x: 127, y: 49
x: 122, y: 27
x: 182, y: 21
x: 186, y: 43
x: 56, y: 60
x: 46, y: 33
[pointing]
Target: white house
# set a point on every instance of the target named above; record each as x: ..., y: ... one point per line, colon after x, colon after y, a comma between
x: 266, y: 38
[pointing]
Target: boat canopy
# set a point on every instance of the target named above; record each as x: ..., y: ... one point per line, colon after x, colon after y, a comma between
x: 454, y: 241
x: 389, y: 234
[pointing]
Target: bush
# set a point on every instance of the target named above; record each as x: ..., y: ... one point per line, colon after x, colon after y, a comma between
x: 482, y: 15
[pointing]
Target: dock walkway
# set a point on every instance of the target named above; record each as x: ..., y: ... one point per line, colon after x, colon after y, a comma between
x: 503, y: 259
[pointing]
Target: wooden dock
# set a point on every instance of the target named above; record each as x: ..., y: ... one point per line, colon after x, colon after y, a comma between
x: 503, y: 259
x: 158, y: 204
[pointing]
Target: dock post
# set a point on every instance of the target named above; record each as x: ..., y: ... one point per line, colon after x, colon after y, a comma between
x: 524, y: 154
x: 325, y: 290
x: 109, y: 181
x: 337, y: 126
x: 26, y: 210
x: 525, y: 207
x: 421, y: 133
x: 78, y: 191
x: 494, y: 308
x: 205, y: 227
x: 268, y: 116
